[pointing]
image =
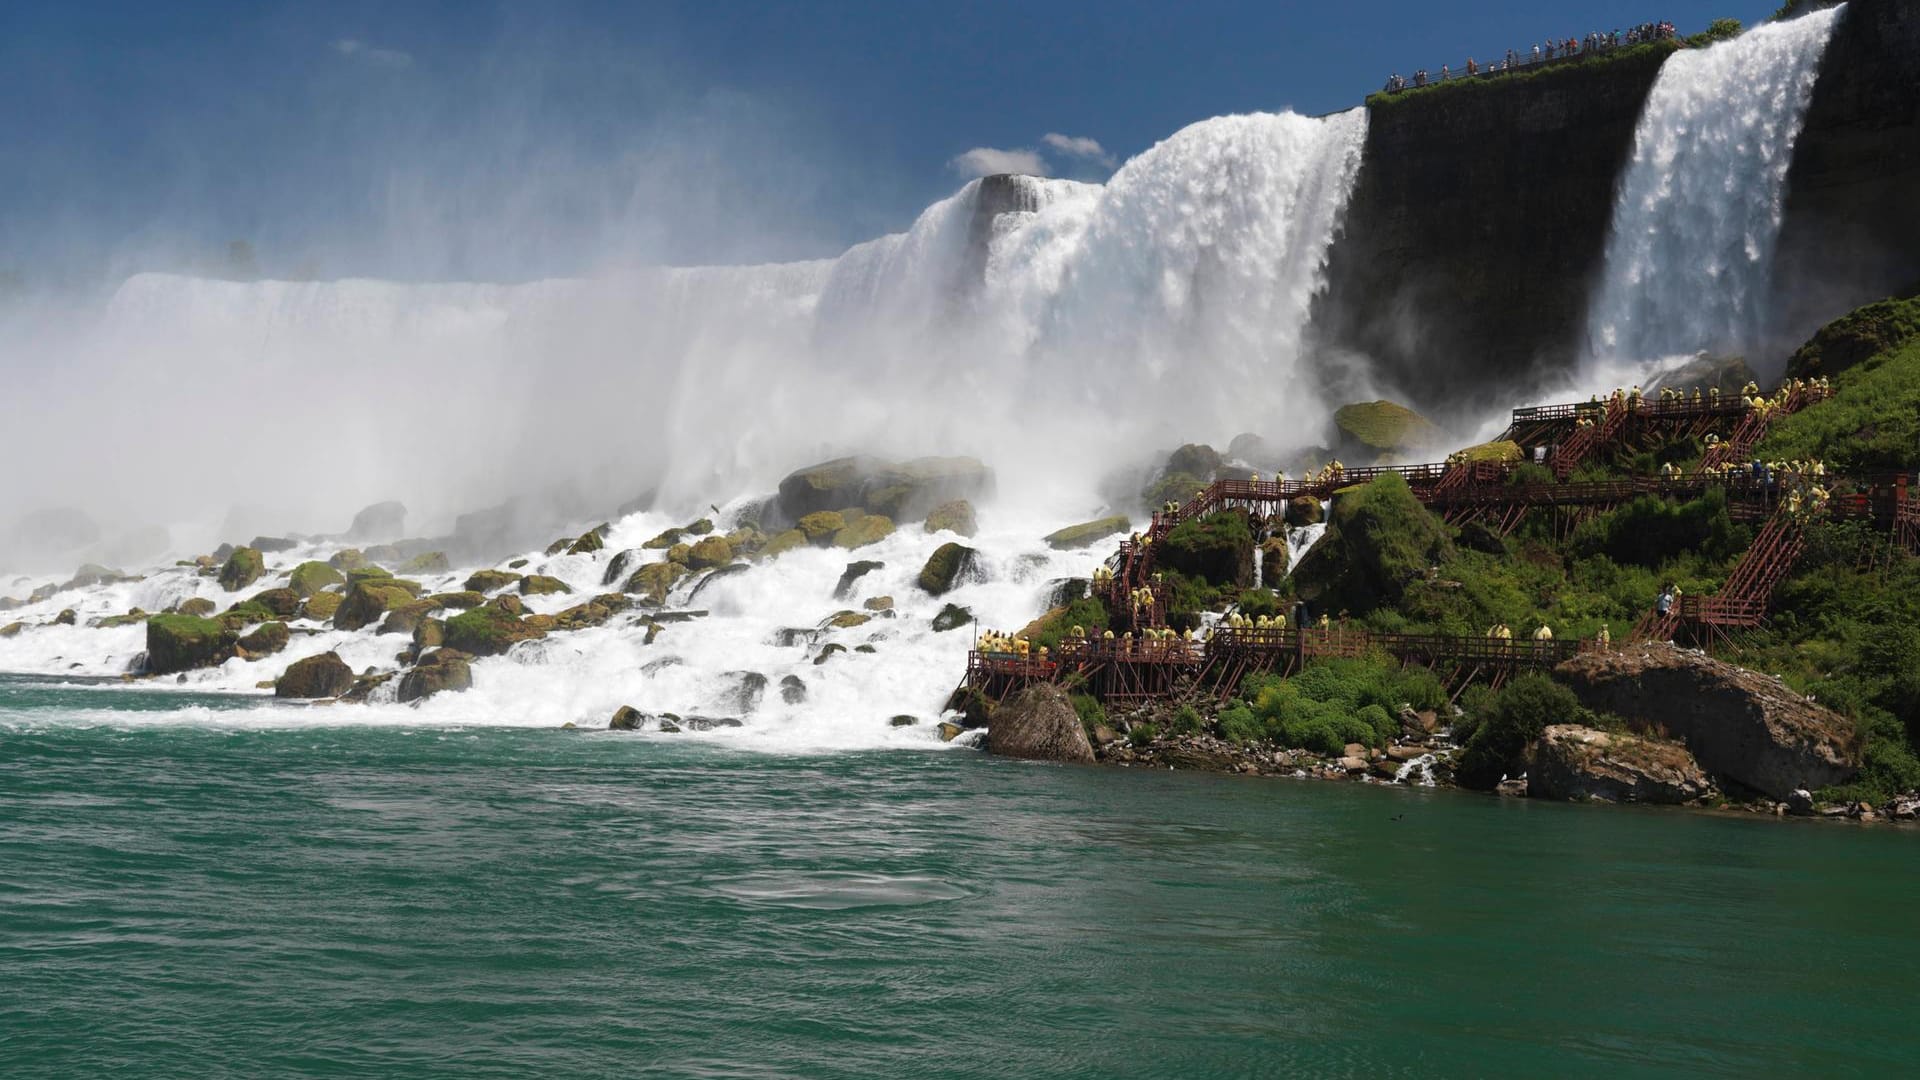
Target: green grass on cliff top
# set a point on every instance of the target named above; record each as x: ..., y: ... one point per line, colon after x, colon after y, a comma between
x: 1653, y: 53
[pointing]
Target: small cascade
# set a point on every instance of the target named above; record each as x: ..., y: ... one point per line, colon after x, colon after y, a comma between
x: 1690, y: 253
x: 1301, y: 539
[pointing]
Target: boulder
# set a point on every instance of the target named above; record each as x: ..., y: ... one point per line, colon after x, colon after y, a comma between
x: 67, y: 617
x: 819, y: 527
x: 508, y: 603
x: 381, y: 521
x: 793, y: 689
x: 620, y: 566
x: 440, y: 670
x: 1743, y: 727
x: 954, y: 517
x: 878, y: 603
x: 1573, y: 762
x: 1274, y: 556
x: 655, y: 580
x: 430, y: 634
x: 869, y: 529
x: 950, y: 564
x: 710, y: 552
x: 321, y: 606
x: 951, y: 617
x: 1076, y: 537
x: 347, y: 559
x: 322, y: 676
x: 588, y: 543
x: 896, y: 490
x: 542, y: 585
x: 272, y: 544
x: 1039, y: 724
x: 407, y: 618
x: 184, y: 642
x: 1217, y: 548
x: 459, y: 601
x: 1304, y: 510
x: 749, y: 689
x: 1382, y: 429
x: 311, y: 577
x: 91, y: 574
x: 486, y: 581
x: 12, y: 629
x: 846, y: 620
x: 487, y: 631
x: 595, y: 612
x: 1254, y: 451
x: 242, y: 569
x: 783, y: 542
x: 198, y: 606
x: 265, y: 640
x: 1498, y: 452
x: 680, y: 553
x: 852, y: 574
x: 429, y: 562
x: 367, y: 601
x: 664, y: 540
x: 284, y: 603
x: 625, y: 718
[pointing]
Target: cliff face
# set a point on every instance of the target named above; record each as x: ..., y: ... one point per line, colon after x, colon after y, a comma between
x: 1478, y: 221
x: 1852, y: 230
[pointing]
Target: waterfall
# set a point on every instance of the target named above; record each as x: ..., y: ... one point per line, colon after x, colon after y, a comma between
x: 1690, y: 253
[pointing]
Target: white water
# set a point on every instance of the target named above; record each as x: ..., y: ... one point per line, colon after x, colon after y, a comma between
x: 1698, y: 214
x: 1165, y: 306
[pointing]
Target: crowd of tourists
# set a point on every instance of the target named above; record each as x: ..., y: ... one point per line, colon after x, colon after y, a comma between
x: 1542, y: 52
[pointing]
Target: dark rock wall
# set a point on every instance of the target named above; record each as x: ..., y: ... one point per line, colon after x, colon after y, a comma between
x: 1479, y: 221
x: 1852, y: 229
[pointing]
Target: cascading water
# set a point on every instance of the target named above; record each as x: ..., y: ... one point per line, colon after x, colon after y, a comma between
x: 1088, y: 323
x: 1699, y: 209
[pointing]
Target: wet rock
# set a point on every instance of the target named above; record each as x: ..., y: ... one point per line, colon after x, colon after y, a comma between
x: 272, y: 544
x: 655, y: 580
x: 311, y: 577
x: 321, y: 606
x: 487, y: 631
x: 1039, y: 724
x: 1513, y: 789
x: 846, y: 620
x: 459, y: 601
x: 879, y: 604
x: 621, y: 565
x: 1075, y: 537
x: 407, y: 617
x: 430, y: 634
x: 440, y: 671
x: 954, y: 517
x: 793, y: 690
x: 853, y: 573
x: 596, y: 612
x: 197, y: 606
x: 951, y: 617
x: 92, y: 574
x: 67, y: 617
x: 711, y: 552
x: 589, y: 542
x: 903, y: 720
x: 178, y: 643
x: 867, y: 531
x: 265, y: 640
x: 1800, y: 801
x: 284, y: 603
x: 668, y: 727
x: 901, y: 491
x: 1747, y: 727
x: 347, y: 559
x: 717, y: 575
x: 709, y: 723
x: 1304, y: 510
x: 748, y: 690
x: 1573, y: 762
x: 322, y: 676
x: 242, y: 569
x: 368, y: 601
x: 425, y: 563
x: 625, y: 718
x: 1378, y: 430
x: 782, y: 543
x: 486, y: 581
x: 949, y: 730
x: 381, y: 521
x: 542, y: 585
x: 828, y: 652
x: 950, y: 565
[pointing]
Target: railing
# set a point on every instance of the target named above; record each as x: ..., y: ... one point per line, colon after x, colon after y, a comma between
x: 1526, y: 61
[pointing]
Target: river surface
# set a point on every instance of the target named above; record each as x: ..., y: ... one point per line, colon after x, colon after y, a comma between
x: 183, y: 897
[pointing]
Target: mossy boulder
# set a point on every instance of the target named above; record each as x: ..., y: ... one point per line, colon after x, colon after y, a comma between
x: 948, y: 566
x: 1383, y: 429
x: 1498, y: 452
x: 67, y: 617
x: 311, y: 577
x: 680, y: 553
x: 1217, y: 549
x: 710, y: 552
x: 588, y: 543
x: 443, y: 670
x: 459, y: 600
x: 782, y: 543
x: 1378, y: 540
x: 369, y: 601
x: 116, y: 621
x: 665, y: 540
x: 955, y: 516
x: 198, y: 606
x: 951, y: 617
x: 868, y: 530
x: 12, y: 629
x: 284, y: 603
x: 242, y: 569
x: 655, y: 580
x: 265, y: 640
x: 321, y: 606
x: 431, y: 562
x: 878, y: 603
x: 430, y: 634
x: 1274, y: 558
x: 508, y: 603
x: 746, y: 542
x: 903, y: 490
x: 368, y: 573
x: 1856, y: 337
x: 184, y: 642
x: 595, y: 612
x: 1075, y: 537
x: 819, y: 527
x: 487, y: 631
x: 486, y: 581
x: 244, y: 614
x: 322, y: 676
x: 625, y: 718
x: 846, y: 620
x: 542, y: 585
x: 347, y: 559
x: 406, y: 618
x: 1304, y: 510
x: 701, y: 528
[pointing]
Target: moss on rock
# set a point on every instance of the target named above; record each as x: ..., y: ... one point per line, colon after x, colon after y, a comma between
x: 321, y: 606
x: 819, y: 527
x: 1384, y: 427
x: 655, y: 580
x: 368, y: 601
x: 954, y: 517
x: 868, y: 530
x: 783, y: 543
x: 347, y: 559
x: 184, y: 642
x: 713, y: 551
x: 443, y: 670
x: 311, y: 577
x: 486, y: 581
x: 487, y: 631
x: 542, y: 585
x: 198, y: 606
x: 242, y: 569
x: 945, y: 568
x: 265, y: 640
x: 431, y: 562
x: 1075, y: 537
x: 322, y: 676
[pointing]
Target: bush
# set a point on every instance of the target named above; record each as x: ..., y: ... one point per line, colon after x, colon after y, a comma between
x: 1088, y: 613
x: 1187, y: 721
x: 1512, y: 719
x: 1329, y: 705
x: 1090, y: 711
x: 1142, y: 734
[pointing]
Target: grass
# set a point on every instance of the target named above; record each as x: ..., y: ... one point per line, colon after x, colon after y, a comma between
x: 1650, y: 55
x: 1871, y: 424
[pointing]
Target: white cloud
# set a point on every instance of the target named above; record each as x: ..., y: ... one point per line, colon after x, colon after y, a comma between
x: 1079, y: 146
x: 986, y: 160
x: 355, y: 49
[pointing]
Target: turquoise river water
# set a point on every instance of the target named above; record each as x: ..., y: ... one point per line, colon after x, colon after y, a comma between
x: 185, y: 898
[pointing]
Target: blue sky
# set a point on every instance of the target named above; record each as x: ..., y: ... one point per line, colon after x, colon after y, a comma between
x: 507, y: 140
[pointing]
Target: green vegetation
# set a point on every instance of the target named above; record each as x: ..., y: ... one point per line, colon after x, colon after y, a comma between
x: 182, y: 642
x: 1384, y: 427
x: 486, y: 631
x: 242, y: 569
x: 1329, y: 705
x: 945, y: 567
x: 1498, y: 727
x: 1217, y: 549
x: 1074, y: 537
x: 1717, y: 30
x: 1088, y: 613
x: 1872, y: 424
x: 1091, y: 712
x: 1858, y: 336
x: 311, y: 577
x: 1379, y: 540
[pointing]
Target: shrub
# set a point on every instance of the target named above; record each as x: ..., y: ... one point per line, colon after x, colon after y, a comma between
x: 1142, y: 734
x: 1187, y: 721
x: 1090, y: 711
x: 1513, y: 718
